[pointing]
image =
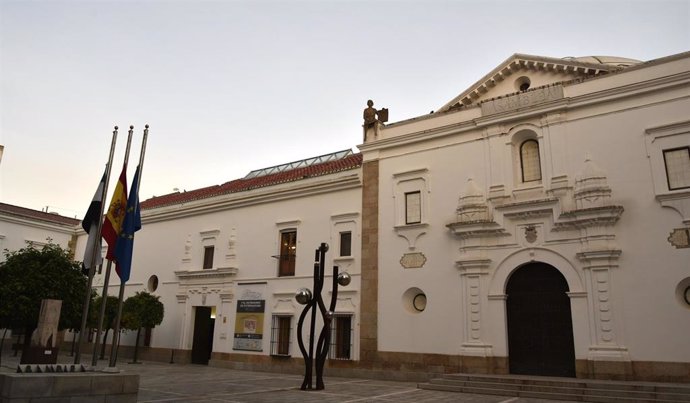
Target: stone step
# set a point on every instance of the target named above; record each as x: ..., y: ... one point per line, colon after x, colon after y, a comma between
x: 543, y: 394
x: 561, y: 388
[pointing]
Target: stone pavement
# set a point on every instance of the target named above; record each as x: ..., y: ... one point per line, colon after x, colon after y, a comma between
x: 160, y: 382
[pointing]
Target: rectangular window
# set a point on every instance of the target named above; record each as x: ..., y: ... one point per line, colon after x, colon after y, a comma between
x: 341, y: 338
x: 280, y: 335
x: 413, y: 207
x: 677, y: 163
x: 288, y: 253
x: 208, y: 257
x: 530, y: 162
x: 346, y: 243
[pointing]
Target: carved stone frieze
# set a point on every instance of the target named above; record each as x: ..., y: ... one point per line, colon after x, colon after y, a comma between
x: 522, y: 100
x: 220, y: 272
x: 477, y: 229
x: 588, y: 218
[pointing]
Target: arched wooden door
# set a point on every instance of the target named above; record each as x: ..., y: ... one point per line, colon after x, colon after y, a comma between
x: 540, y: 330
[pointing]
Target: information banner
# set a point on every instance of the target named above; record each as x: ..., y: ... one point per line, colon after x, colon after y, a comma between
x: 249, y: 325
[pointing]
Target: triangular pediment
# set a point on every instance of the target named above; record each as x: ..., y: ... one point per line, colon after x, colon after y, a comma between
x: 522, y: 72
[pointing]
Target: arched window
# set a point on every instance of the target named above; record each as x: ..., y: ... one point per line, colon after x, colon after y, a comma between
x: 529, y: 161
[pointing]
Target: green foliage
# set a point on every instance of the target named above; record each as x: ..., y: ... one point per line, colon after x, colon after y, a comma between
x: 110, y: 312
x: 142, y: 310
x: 30, y: 275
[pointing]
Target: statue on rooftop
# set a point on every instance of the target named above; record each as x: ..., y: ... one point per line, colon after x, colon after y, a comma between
x: 369, y: 114
x: 372, y: 119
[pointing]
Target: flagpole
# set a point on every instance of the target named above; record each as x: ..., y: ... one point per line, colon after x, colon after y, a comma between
x: 121, y: 295
x: 106, y: 280
x: 95, y: 251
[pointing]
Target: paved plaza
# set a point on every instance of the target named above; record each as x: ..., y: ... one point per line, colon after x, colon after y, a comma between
x: 160, y: 382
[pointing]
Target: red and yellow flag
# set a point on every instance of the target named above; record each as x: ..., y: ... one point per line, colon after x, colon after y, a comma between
x: 116, y: 214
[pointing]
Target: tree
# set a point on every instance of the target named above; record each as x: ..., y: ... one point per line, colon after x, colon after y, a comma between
x: 108, y: 318
x: 30, y: 275
x: 142, y: 310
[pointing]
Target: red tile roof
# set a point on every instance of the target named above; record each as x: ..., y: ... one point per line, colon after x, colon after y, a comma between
x: 37, y: 215
x: 240, y: 185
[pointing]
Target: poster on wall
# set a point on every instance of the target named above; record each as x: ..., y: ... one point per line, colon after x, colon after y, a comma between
x: 249, y: 325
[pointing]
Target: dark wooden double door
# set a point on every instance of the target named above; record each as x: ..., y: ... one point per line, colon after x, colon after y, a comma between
x: 202, y: 344
x: 540, y: 331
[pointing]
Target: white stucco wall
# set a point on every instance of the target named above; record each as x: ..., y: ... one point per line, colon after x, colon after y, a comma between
x: 17, y: 233
x: 173, y: 239
x: 649, y: 321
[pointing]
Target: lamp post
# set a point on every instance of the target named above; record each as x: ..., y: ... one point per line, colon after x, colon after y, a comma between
x: 310, y: 301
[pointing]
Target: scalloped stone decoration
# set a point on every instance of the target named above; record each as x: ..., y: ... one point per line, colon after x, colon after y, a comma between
x: 591, y: 187
x: 472, y: 204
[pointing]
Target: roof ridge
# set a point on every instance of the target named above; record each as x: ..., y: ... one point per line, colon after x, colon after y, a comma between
x: 354, y: 160
x: 36, y: 214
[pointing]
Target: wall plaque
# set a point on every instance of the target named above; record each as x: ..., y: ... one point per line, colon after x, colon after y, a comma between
x: 413, y: 260
x: 522, y: 100
x: 680, y: 238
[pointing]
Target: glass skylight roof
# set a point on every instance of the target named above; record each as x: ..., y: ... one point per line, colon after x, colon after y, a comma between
x: 299, y: 164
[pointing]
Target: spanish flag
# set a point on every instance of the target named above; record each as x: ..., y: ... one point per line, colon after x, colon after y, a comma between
x: 131, y: 224
x: 116, y: 214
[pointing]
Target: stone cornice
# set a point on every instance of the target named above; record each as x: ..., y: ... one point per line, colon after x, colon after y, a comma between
x: 206, y: 274
x: 477, y: 229
x: 591, y: 217
x: 523, y: 62
x: 561, y: 105
x: 258, y: 196
x: 65, y: 229
x: 473, y: 265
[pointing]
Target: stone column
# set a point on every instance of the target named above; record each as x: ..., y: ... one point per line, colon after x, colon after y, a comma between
x: 370, y: 279
x: 471, y: 272
x: 182, y: 306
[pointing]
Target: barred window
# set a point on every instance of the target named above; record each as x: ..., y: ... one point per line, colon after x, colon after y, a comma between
x: 281, y: 329
x: 341, y: 338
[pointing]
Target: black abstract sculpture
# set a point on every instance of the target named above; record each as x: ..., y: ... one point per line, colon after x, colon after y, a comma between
x: 310, y: 301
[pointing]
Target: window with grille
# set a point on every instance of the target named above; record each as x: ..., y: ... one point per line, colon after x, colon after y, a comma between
x: 280, y: 335
x: 529, y: 161
x: 677, y: 162
x: 288, y: 253
x: 341, y: 338
x: 208, y: 257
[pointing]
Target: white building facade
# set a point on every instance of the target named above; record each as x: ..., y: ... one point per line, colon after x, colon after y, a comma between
x: 227, y: 261
x: 536, y: 224
x: 21, y: 227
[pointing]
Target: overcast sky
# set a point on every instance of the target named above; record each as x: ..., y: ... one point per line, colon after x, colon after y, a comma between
x: 232, y: 86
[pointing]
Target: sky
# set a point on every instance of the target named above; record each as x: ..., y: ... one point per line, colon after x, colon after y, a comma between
x: 232, y: 86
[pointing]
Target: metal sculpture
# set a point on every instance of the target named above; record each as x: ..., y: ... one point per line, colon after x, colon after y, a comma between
x: 310, y: 301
